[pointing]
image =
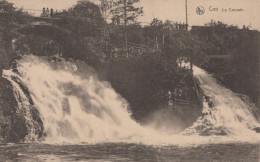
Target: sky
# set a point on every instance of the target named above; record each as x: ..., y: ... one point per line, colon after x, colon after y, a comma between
x: 174, y: 10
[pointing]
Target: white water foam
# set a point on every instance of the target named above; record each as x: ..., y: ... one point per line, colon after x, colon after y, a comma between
x: 223, y: 111
x: 76, y: 108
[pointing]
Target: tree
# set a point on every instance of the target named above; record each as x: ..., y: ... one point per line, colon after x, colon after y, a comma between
x: 83, y: 19
x: 157, y: 31
x: 168, y: 28
x: 185, y: 45
x: 156, y: 26
x: 10, y: 21
x: 126, y: 11
x: 106, y: 7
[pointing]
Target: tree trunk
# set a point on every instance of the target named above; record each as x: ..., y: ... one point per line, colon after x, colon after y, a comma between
x: 163, y: 40
x: 125, y: 18
x: 125, y: 22
x: 126, y: 46
x: 156, y: 44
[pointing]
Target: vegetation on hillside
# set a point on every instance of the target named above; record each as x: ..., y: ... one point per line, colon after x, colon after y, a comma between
x: 239, y: 72
x: 9, y: 24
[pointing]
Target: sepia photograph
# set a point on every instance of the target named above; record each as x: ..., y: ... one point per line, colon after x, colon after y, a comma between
x: 130, y: 80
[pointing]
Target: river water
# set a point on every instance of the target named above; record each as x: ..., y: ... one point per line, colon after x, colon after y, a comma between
x: 129, y: 152
x: 84, y: 119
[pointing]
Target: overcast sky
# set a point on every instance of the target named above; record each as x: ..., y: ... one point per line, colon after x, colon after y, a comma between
x: 174, y: 10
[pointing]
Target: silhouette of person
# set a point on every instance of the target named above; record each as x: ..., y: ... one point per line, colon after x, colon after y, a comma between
x: 51, y: 12
x: 176, y: 25
x: 170, y: 99
x: 43, y: 12
x: 47, y: 12
x: 180, y: 26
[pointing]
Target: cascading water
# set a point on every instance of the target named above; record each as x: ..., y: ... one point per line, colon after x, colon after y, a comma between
x: 224, y: 113
x: 76, y: 107
x: 73, y: 108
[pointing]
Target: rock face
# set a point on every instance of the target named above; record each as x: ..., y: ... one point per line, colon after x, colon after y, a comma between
x: 13, y: 125
x: 8, y: 108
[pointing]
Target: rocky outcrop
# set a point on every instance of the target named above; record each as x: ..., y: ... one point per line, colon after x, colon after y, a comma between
x: 8, y: 118
x: 198, y: 90
x: 13, y: 124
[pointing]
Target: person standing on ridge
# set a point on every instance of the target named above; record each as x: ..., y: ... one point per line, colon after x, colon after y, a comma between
x: 47, y: 12
x: 43, y: 12
x: 170, y: 100
x: 51, y: 12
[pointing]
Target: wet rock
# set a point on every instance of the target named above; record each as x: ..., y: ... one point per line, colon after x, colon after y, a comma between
x: 207, y: 123
x: 200, y: 127
x: 39, y: 129
x: 257, y: 129
x: 212, y: 131
x: 211, y: 104
x: 13, y: 127
x: 16, y: 130
x: 209, y: 101
x: 219, y: 132
x: 205, y: 132
x: 7, y: 108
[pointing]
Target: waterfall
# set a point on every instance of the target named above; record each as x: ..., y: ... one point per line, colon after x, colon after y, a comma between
x: 73, y: 106
x: 76, y: 107
x: 224, y: 112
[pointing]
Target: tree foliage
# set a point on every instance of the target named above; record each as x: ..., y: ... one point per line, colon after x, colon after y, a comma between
x: 240, y: 71
x: 10, y: 21
x: 126, y: 11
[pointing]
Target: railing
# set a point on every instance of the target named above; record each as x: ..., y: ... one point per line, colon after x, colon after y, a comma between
x: 139, y: 46
x: 220, y: 56
x: 32, y: 12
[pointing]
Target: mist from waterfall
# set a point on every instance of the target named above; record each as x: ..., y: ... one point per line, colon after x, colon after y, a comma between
x: 76, y: 107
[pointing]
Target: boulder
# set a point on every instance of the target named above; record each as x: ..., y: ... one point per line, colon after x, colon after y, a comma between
x: 257, y: 129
